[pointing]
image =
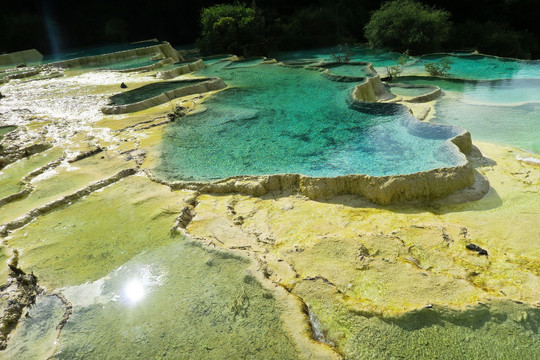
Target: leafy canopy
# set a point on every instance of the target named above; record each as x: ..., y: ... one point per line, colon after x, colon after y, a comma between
x: 408, y: 25
x: 234, y: 29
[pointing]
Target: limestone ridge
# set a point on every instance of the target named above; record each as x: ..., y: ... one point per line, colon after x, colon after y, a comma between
x: 165, y: 49
x: 26, y: 181
x: 381, y: 190
x: 211, y: 84
x: 181, y: 70
x: 13, y: 153
x: 25, y: 219
x: 159, y: 64
x: 13, y: 74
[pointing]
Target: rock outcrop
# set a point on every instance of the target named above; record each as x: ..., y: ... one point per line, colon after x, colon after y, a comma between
x: 211, y: 84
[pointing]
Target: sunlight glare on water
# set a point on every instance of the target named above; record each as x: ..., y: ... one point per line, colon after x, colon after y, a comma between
x: 134, y: 291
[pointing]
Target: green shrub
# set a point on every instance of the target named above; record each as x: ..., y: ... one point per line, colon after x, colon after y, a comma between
x: 396, y: 70
x: 408, y: 25
x: 438, y: 69
x: 234, y: 29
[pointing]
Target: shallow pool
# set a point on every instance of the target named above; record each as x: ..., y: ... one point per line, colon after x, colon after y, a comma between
x: 479, y: 66
x: 501, y: 111
x: 466, y: 66
x: 150, y: 91
x: 276, y: 119
x: 162, y: 301
x: 409, y: 91
x: 5, y: 129
x: 485, y: 92
x: 130, y: 64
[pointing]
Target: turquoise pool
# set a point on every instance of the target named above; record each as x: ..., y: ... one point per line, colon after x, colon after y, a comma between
x: 501, y: 111
x: 378, y: 57
x: 412, y: 91
x: 466, y: 66
x: 276, y: 119
x: 517, y: 126
x: 480, y: 67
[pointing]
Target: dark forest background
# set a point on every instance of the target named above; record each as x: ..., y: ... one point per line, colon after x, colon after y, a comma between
x: 499, y: 27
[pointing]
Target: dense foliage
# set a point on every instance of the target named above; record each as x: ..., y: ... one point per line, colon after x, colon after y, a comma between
x: 499, y: 27
x: 231, y: 29
x: 408, y: 25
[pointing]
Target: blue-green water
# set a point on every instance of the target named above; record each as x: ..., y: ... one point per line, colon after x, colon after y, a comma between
x: 214, y: 59
x: 464, y: 66
x: 379, y: 58
x: 412, y: 91
x: 244, y: 63
x: 517, y: 126
x: 486, y: 92
x: 277, y: 119
x: 481, y: 67
x: 501, y: 111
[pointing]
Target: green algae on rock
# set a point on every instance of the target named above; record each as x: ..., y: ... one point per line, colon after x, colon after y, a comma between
x: 498, y: 329
x: 109, y: 227
x: 5, y: 129
x: 11, y: 176
x: 215, y: 309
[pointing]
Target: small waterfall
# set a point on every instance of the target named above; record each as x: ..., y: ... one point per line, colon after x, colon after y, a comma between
x: 317, y: 328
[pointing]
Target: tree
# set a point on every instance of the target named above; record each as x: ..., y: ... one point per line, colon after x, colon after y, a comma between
x: 235, y: 29
x: 408, y: 25
x: 438, y: 69
x: 396, y: 70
